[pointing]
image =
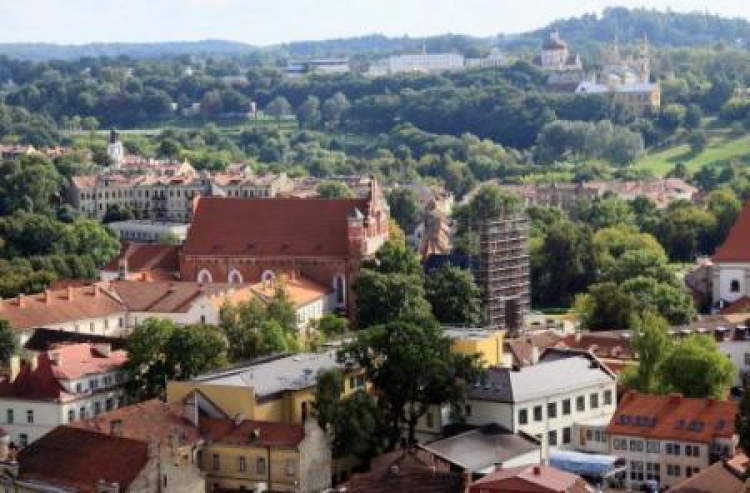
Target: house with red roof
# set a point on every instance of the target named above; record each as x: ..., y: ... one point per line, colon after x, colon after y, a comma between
x: 731, y: 268
x: 667, y: 438
x: 530, y: 479
x: 62, y: 384
x: 240, y: 240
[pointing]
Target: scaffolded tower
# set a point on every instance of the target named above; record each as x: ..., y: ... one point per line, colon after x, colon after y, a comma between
x: 503, y: 273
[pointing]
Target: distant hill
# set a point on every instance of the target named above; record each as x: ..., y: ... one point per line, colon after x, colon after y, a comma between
x: 668, y: 29
x: 49, y: 51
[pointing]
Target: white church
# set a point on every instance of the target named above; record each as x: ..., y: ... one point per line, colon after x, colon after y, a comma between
x: 731, y: 267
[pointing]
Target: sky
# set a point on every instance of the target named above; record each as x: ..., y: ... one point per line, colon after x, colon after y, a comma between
x: 264, y: 22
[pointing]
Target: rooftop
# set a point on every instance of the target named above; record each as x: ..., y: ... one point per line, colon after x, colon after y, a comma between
x: 546, y: 378
x: 482, y: 448
x: 538, y: 479
x: 142, y: 257
x: 721, y: 477
x: 259, y: 433
x: 74, y: 361
x: 736, y: 248
x: 405, y: 472
x: 175, y: 297
x: 78, y: 459
x: 300, y: 290
x: 273, y: 375
x: 673, y: 417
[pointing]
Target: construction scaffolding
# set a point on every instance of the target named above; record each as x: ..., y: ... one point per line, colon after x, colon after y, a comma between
x: 503, y: 273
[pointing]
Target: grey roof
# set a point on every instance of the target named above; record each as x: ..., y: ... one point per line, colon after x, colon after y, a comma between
x: 483, y: 447
x: 273, y: 375
x: 546, y: 378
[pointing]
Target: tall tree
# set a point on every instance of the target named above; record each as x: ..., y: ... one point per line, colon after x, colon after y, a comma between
x: 410, y: 367
x: 696, y: 367
x: 651, y: 343
x: 9, y: 343
x: 453, y: 295
x: 308, y: 113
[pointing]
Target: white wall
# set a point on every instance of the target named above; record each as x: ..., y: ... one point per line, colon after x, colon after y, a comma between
x: 727, y: 274
x: 737, y: 351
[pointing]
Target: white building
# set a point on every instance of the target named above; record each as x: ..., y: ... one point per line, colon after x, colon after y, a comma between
x: 323, y: 66
x: 417, y: 63
x: 64, y: 384
x: 547, y: 399
x: 731, y: 270
x: 555, y: 55
x: 146, y: 231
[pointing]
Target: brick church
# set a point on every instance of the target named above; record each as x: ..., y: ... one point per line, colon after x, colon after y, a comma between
x: 238, y: 240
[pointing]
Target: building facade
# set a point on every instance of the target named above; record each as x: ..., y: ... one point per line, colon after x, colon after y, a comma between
x: 61, y: 385
x: 667, y: 438
x: 145, y: 231
x: 731, y: 265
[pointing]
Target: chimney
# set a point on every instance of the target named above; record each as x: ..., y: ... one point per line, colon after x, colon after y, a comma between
x: 47, y: 296
x: 103, y: 348
x: 20, y: 301
x: 15, y: 367
x: 70, y: 293
x: 537, y: 470
x: 95, y: 290
x: 122, y: 269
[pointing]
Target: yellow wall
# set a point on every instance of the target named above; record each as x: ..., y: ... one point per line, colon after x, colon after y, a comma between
x: 229, y: 475
x: 230, y: 399
x: 490, y: 348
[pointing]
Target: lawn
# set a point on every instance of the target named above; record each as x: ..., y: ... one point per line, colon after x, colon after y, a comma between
x: 721, y: 148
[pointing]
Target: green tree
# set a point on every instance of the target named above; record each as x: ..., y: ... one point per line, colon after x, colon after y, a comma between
x: 395, y: 258
x: 331, y: 324
x: 698, y: 141
x: 405, y: 207
x: 382, y: 298
x: 117, y: 212
x: 453, y: 295
x: 160, y: 351
x: 308, y: 113
x: 667, y: 299
x: 9, y: 342
x: 634, y: 263
x: 240, y: 323
x: 278, y: 108
x: 693, y: 117
x: 696, y: 367
x: 410, y: 367
x: 328, y: 386
x: 606, y: 307
x: 334, y: 108
x: 334, y: 190
x: 651, y: 344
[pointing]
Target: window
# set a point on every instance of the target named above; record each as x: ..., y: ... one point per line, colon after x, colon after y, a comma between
x: 594, y: 401
x: 82, y: 413
x: 97, y: 408
x: 216, y: 462
x: 93, y: 384
x: 566, y: 407
x: 552, y: 410
x: 734, y: 286
x: 289, y: 468
x: 673, y: 449
x: 692, y: 451
x: 260, y: 465
x: 566, y: 435
x: 537, y: 413
x: 653, y: 471
x: 552, y: 438
x: 747, y: 359
x: 430, y: 420
x: 30, y: 416
x: 242, y: 464
x: 9, y: 419
x: 636, y: 471
x: 23, y: 440
x: 580, y: 403
x: 636, y: 446
x: 652, y: 447
x: 523, y: 417
x: 607, y: 397
x: 71, y: 415
x: 467, y: 410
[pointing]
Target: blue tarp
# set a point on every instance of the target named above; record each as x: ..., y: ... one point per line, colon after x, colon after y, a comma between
x: 591, y: 465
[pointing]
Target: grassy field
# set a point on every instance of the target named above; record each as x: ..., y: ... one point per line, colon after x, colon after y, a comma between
x: 722, y: 147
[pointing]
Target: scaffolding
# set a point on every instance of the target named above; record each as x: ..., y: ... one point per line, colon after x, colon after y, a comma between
x: 503, y: 272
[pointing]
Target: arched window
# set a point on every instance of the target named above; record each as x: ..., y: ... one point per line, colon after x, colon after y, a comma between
x: 734, y: 286
x: 204, y: 277
x: 268, y: 276
x: 235, y: 277
x: 339, y: 285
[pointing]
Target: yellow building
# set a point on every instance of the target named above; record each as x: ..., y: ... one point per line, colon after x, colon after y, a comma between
x: 487, y: 343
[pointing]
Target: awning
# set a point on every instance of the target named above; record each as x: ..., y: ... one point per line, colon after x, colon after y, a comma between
x: 590, y: 465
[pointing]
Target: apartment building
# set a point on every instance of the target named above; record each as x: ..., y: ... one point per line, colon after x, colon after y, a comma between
x: 547, y: 399
x: 66, y: 383
x: 165, y: 192
x: 667, y: 438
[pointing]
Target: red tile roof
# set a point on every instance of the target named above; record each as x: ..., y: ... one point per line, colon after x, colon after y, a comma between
x: 736, y: 248
x: 531, y: 479
x: 608, y: 344
x: 149, y: 421
x: 173, y: 297
x: 143, y: 257
x: 673, y: 417
x: 76, y: 458
x: 59, y: 306
x: 721, y: 477
x: 406, y: 472
x: 73, y: 361
x: 742, y: 305
x: 37, y: 383
x: 262, y: 433
x: 271, y: 227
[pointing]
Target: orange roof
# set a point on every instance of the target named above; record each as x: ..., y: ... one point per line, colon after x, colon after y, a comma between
x: 58, y: 306
x: 736, y: 248
x: 149, y: 421
x: 37, y: 383
x: 261, y: 433
x: 72, y: 361
x: 146, y: 257
x: 742, y: 305
x: 271, y: 227
x: 300, y: 290
x: 673, y: 417
x: 530, y: 478
x: 78, y: 459
x: 174, y: 297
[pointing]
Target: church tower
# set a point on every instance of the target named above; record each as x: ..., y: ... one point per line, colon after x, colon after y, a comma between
x: 115, y: 150
x: 644, y: 60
